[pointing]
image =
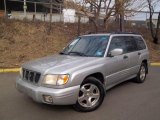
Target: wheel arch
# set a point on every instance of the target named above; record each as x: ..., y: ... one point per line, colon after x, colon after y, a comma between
x: 98, y: 76
x: 145, y: 62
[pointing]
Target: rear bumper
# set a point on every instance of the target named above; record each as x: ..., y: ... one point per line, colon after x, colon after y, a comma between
x: 66, y: 96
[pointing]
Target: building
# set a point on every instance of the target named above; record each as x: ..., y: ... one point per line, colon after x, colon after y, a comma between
x: 35, y: 9
x: 41, y: 5
x: 137, y: 23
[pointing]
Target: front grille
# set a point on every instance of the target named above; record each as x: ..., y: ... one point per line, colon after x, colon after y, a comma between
x: 31, y: 76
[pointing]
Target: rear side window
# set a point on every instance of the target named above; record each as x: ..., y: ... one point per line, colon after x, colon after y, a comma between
x: 140, y: 43
x: 130, y: 43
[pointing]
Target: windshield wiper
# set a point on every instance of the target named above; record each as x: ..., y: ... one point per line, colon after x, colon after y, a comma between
x: 77, y: 53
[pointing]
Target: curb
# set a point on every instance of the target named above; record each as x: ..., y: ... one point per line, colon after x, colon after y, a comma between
x: 155, y: 64
x: 7, y: 70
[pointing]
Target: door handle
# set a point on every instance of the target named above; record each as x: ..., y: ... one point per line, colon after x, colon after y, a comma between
x: 139, y: 53
x: 125, y: 57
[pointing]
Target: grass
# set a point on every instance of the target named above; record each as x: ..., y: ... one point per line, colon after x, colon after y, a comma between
x: 21, y: 41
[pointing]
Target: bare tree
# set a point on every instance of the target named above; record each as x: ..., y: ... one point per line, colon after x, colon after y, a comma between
x: 92, y: 9
x: 109, y: 11
x: 52, y: 5
x: 122, y: 8
x: 95, y: 13
x: 127, y: 8
x: 154, y: 31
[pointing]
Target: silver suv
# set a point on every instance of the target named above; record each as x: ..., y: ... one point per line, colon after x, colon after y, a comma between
x: 85, y: 69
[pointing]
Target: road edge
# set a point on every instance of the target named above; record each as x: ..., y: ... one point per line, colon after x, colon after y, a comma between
x: 8, y: 70
x: 155, y: 64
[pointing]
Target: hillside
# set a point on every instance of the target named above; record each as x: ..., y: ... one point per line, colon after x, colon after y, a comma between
x: 23, y: 41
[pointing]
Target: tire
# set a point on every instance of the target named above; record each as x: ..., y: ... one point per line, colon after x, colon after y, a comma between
x: 91, y: 95
x: 141, y: 76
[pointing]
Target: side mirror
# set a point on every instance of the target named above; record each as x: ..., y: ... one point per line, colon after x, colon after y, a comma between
x: 116, y: 52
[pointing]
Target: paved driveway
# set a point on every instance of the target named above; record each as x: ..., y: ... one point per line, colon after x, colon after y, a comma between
x: 127, y: 101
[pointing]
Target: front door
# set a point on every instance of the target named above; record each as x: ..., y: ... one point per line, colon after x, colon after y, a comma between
x: 116, y: 67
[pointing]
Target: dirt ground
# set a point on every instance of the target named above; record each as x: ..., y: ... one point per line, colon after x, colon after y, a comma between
x: 21, y: 41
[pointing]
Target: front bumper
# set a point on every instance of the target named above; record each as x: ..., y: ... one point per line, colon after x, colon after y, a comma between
x: 65, y: 96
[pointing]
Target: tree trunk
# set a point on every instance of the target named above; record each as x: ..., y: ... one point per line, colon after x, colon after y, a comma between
x: 121, y: 22
x: 151, y: 25
x: 157, y: 30
x: 95, y: 25
x: 78, y: 29
x: 155, y: 40
x: 154, y: 31
x: 50, y: 21
x: 105, y: 24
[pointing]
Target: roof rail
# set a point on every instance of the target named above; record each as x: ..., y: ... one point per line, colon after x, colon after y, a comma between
x: 125, y: 33
x: 115, y: 32
x: 96, y: 32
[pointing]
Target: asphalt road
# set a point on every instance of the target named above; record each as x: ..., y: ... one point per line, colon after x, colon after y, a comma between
x: 127, y: 101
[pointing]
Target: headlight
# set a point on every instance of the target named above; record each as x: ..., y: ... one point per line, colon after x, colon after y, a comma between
x: 55, y: 79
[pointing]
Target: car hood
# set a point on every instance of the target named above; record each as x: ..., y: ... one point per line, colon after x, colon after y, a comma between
x: 59, y: 64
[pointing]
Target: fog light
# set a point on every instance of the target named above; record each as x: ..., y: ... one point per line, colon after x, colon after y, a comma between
x: 48, y: 98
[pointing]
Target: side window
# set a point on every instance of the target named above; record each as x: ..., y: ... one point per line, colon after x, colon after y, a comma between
x: 117, y: 42
x: 130, y: 43
x: 140, y: 43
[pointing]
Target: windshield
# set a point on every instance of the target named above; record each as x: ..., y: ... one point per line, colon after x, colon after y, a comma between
x: 92, y: 46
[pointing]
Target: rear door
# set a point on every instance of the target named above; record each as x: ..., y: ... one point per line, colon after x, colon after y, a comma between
x: 133, y: 54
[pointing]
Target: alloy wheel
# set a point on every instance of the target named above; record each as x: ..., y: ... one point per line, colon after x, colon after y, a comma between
x: 89, y: 95
x: 142, y: 73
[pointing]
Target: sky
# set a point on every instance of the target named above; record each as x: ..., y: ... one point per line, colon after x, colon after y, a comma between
x: 144, y: 16
x: 140, y: 16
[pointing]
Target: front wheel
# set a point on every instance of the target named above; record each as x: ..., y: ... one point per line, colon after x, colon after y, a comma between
x: 141, y: 76
x: 91, y: 95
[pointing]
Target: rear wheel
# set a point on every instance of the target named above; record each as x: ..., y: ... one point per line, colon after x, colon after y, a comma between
x: 91, y: 95
x: 141, y: 76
